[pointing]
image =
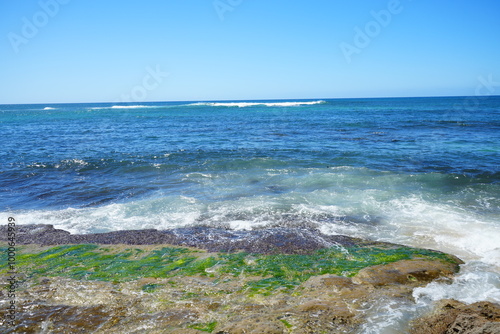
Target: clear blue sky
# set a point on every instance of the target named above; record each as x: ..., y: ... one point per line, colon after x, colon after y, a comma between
x: 96, y: 50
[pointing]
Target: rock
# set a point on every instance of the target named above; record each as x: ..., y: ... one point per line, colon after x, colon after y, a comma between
x: 204, y: 290
x: 266, y: 241
x: 333, y: 282
x: 405, y: 272
x: 183, y: 331
x: 337, y: 309
x: 39, y: 318
x: 453, y: 317
x: 253, y: 325
x: 33, y: 318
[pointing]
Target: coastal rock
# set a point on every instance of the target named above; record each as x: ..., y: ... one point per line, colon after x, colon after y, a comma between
x: 253, y: 325
x: 284, y: 281
x: 405, y: 272
x: 264, y: 241
x: 334, y: 282
x: 453, y: 317
x: 40, y: 318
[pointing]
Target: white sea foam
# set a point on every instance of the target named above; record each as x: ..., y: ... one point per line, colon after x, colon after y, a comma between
x: 252, y: 104
x: 130, y: 107
x: 214, y: 104
x: 165, y: 213
x: 446, y: 227
x: 476, y: 282
x: 387, y: 316
x: 49, y: 108
x: 416, y: 222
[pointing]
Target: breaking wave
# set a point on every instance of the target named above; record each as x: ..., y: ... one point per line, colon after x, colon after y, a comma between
x: 253, y: 104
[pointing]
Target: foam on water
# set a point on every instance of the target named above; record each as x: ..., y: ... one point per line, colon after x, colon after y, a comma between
x: 252, y: 104
x: 131, y: 107
x: 476, y: 282
x: 388, y: 316
x: 165, y: 213
x: 128, y: 107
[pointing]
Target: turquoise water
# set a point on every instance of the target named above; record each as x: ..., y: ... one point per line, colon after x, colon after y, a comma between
x: 419, y: 171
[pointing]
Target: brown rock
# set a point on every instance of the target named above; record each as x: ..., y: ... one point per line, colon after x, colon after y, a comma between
x: 405, y: 272
x: 58, y: 319
x: 453, y: 317
x: 183, y: 331
x: 253, y: 325
x: 333, y: 282
x: 336, y: 307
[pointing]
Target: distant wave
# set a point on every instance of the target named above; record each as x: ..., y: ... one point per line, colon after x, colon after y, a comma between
x: 127, y: 107
x: 214, y: 104
x: 130, y: 107
x: 48, y: 108
x: 251, y: 104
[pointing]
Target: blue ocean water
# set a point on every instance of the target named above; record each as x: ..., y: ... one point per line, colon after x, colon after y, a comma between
x: 419, y: 171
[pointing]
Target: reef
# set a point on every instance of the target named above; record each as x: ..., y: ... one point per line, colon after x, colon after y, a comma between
x: 451, y: 316
x: 208, y: 280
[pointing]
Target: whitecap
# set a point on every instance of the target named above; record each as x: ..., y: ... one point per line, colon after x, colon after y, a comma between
x: 129, y: 107
x: 252, y: 104
x: 475, y: 282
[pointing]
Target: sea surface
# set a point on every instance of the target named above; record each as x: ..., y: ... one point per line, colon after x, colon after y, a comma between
x: 422, y: 172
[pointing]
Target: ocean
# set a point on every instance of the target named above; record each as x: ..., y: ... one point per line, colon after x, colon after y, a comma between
x: 422, y: 172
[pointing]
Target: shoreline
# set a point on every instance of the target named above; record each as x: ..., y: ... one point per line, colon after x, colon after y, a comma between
x: 278, y: 240
x: 200, y: 279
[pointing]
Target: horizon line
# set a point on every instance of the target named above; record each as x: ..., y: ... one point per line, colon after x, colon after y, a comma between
x: 255, y: 100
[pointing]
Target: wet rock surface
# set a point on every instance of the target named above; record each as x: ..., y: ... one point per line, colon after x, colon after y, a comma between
x: 265, y: 241
x: 405, y: 272
x: 187, y: 306
x: 453, y: 317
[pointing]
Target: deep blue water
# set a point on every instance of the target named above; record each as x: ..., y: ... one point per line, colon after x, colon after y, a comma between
x: 80, y: 155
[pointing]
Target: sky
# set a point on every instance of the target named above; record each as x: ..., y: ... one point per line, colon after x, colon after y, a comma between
x: 65, y: 51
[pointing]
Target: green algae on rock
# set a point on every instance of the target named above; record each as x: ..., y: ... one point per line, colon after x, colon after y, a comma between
x: 119, y: 264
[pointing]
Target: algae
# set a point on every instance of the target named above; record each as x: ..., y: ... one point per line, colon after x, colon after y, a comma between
x: 264, y: 273
x: 204, y: 327
x: 150, y: 288
x: 286, y: 323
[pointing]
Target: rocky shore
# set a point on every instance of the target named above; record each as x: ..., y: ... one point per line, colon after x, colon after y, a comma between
x: 207, y: 280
